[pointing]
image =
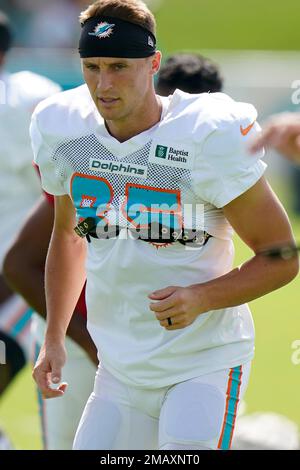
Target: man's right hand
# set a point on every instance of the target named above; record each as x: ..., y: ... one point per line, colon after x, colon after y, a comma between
x: 281, y: 132
x: 48, y: 368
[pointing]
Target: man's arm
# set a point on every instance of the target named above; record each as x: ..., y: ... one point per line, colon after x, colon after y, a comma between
x: 64, y: 279
x: 24, y: 267
x: 261, y: 222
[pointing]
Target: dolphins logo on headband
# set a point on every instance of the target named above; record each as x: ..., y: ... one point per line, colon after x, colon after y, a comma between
x: 103, y: 30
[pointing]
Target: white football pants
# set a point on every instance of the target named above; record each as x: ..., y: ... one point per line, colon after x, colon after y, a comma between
x: 196, y: 414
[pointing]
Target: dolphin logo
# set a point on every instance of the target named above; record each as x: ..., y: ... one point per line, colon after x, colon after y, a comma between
x: 103, y: 30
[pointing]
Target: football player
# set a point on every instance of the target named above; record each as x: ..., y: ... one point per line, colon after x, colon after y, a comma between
x: 23, y: 267
x: 153, y: 188
x: 24, y: 271
x: 19, y: 190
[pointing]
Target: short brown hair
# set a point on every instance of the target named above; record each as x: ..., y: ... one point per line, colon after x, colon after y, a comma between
x: 134, y: 11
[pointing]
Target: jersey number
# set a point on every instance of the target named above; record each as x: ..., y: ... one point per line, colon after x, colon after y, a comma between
x: 142, y: 205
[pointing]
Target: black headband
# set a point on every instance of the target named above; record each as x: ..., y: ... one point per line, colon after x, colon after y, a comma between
x: 104, y: 36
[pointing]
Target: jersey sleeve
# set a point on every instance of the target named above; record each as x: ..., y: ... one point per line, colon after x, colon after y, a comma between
x: 224, y: 168
x: 43, y: 157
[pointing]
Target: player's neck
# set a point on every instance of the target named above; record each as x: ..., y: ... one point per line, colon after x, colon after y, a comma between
x: 143, y: 119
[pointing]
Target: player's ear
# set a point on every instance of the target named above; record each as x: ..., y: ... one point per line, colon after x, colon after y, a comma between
x: 155, y: 62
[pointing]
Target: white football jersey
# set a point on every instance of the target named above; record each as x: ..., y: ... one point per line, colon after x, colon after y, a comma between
x: 194, y: 158
x: 19, y: 184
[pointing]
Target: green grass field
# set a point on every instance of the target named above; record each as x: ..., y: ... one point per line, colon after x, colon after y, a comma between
x: 275, y: 380
x: 229, y: 24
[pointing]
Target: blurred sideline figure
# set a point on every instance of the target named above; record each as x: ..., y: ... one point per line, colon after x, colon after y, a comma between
x: 265, y: 431
x: 24, y: 267
x: 282, y: 132
x: 49, y: 24
x: 191, y: 73
x: 24, y: 270
x: 19, y: 189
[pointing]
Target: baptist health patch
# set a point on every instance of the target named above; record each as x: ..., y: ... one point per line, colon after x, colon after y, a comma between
x: 118, y: 168
x: 178, y: 155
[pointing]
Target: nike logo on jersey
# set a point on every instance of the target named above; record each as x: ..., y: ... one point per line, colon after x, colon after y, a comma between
x: 246, y: 131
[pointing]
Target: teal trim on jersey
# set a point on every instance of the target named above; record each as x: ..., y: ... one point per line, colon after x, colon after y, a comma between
x: 21, y: 323
x: 232, y: 407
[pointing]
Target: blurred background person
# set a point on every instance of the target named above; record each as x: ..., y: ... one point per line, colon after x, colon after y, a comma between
x: 191, y: 73
x: 54, y: 24
x: 24, y: 270
x: 19, y: 189
x: 281, y: 132
x: 43, y: 24
x: 48, y: 24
